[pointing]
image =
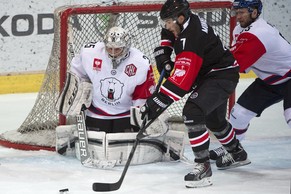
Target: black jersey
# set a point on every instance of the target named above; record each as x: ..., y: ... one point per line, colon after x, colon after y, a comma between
x: 199, y: 54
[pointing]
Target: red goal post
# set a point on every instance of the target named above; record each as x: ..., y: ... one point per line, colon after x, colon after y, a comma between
x: 77, y: 25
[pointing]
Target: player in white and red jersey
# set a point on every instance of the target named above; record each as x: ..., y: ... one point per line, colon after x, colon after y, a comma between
x: 121, y: 77
x: 204, y: 67
x: 259, y: 46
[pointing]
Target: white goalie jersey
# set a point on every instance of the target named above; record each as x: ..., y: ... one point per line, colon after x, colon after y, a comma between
x: 114, y: 90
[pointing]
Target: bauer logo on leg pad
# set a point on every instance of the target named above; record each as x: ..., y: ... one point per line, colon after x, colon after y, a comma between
x: 82, y: 136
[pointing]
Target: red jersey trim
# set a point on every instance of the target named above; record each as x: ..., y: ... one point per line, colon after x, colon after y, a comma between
x: 166, y: 43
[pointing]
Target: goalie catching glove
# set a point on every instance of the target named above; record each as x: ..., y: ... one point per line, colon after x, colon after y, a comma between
x: 163, y: 60
x: 74, y: 95
x: 155, y: 105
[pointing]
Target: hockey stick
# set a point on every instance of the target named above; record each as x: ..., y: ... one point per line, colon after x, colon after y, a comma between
x: 83, y: 137
x: 99, y: 187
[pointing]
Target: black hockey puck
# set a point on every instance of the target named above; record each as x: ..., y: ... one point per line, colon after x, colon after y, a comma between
x: 64, y: 190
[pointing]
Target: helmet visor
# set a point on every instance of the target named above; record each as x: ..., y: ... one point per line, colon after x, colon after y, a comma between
x: 165, y: 23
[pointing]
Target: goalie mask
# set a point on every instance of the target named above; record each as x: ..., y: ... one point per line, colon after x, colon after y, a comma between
x: 117, y: 42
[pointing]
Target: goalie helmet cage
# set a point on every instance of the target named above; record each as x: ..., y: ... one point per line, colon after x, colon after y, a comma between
x: 77, y: 25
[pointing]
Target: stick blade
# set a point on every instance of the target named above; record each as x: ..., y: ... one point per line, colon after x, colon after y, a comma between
x: 99, y: 187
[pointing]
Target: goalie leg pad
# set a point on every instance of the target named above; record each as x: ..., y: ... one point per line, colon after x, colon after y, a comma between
x: 109, y: 149
x: 65, y: 139
x: 175, y: 144
x: 96, y: 145
x: 118, y: 147
x: 96, y: 150
x: 113, y: 149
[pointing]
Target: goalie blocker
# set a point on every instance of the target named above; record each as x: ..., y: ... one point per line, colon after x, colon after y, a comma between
x: 75, y: 94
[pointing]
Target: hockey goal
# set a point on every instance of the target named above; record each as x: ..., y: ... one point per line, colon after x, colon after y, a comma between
x: 76, y: 25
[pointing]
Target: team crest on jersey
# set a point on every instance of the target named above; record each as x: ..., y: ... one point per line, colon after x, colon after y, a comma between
x: 111, y: 90
x: 181, y: 67
x: 130, y: 70
x: 97, y: 63
x: 179, y: 74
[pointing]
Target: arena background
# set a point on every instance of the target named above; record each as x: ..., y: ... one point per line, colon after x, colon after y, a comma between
x: 26, y: 38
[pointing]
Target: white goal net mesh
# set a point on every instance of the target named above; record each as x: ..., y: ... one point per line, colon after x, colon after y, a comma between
x: 77, y: 25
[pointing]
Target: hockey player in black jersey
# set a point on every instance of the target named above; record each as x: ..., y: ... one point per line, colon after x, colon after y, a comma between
x: 204, y: 67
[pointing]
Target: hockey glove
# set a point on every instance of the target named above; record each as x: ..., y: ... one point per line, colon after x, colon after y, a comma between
x: 163, y: 59
x: 155, y: 105
x: 167, y: 35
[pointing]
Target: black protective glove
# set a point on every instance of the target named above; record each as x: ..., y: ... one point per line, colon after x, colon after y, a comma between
x: 155, y: 105
x: 163, y: 59
x: 167, y: 35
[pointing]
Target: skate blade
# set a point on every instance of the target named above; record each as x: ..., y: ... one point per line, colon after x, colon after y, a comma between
x: 197, y: 184
x: 235, y: 165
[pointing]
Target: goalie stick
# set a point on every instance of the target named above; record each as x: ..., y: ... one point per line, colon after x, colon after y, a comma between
x: 85, y: 157
x: 83, y: 137
x: 99, y: 187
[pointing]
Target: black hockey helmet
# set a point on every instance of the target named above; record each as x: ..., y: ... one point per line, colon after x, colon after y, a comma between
x: 175, y: 8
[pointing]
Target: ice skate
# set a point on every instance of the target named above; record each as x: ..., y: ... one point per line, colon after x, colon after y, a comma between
x: 238, y: 157
x: 216, y: 153
x: 200, y: 176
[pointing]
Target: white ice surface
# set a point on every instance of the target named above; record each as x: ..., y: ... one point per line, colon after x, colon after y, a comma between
x: 268, y: 144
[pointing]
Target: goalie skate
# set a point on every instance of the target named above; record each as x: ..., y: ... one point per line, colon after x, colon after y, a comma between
x: 200, y: 176
x: 238, y: 157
